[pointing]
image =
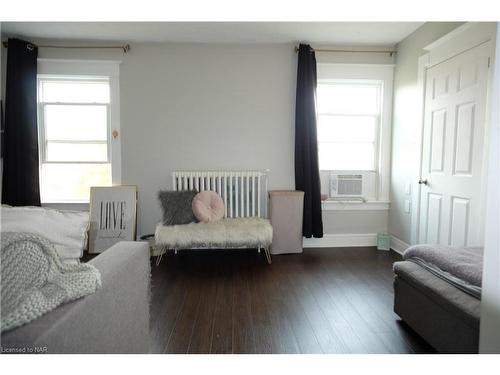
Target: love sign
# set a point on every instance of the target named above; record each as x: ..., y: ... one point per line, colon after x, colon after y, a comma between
x: 112, y: 216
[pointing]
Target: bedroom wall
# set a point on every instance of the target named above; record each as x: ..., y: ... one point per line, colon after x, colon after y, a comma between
x: 489, y: 338
x: 201, y: 106
x: 404, y: 126
x: 1, y: 97
x: 3, y: 66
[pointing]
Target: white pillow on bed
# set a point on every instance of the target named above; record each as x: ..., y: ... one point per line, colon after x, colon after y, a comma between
x: 66, y: 230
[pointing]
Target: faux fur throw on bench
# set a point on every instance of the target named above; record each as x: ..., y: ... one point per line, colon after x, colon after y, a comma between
x: 225, y: 233
x: 34, y: 281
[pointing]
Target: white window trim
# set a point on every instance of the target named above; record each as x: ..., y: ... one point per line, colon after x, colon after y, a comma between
x: 95, y: 68
x: 373, y: 72
x: 331, y: 205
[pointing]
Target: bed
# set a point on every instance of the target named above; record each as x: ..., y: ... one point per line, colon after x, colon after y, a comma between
x: 437, y: 291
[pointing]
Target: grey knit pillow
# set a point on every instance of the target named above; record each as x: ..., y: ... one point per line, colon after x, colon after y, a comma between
x: 176, y: 206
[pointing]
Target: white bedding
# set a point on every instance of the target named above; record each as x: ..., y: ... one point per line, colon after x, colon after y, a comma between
x: 66, y: 230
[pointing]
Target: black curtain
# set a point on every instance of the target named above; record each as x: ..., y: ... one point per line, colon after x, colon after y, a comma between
x: 306, y: 143
x: 20, y: 180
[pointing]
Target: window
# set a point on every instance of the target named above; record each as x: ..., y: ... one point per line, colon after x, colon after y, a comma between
x: 349, y: 114
x: 74, y: 136
x: 354, y: 107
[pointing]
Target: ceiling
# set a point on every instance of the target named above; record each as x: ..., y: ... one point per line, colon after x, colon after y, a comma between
x: 317, y: 33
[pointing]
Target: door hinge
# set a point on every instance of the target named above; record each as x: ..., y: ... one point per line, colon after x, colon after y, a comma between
x: 489, y: 60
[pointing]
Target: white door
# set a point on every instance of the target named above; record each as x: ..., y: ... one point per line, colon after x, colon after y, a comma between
x: 451, y: 211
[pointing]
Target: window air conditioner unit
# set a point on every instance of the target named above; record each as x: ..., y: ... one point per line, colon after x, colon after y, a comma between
x: 346, y: 185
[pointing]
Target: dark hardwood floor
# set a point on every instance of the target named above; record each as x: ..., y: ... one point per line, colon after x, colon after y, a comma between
x: 321, y: 301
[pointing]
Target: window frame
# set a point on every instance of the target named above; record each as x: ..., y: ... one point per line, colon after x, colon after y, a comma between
x: 370, y: 72
x: 42, y: 128
x: 378, y: 116
x: 85, y: 70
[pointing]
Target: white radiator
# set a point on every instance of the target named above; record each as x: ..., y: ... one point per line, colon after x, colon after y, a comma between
x: 244, y: 192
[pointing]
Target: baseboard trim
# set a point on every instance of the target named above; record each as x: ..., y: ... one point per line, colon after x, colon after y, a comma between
x: 399, y: 246
x: 342, y: 240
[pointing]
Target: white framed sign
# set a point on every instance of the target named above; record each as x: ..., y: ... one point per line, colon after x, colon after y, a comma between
x: 113, y: 216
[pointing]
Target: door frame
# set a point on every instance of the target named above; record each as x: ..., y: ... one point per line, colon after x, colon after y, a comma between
x: 463, y: 38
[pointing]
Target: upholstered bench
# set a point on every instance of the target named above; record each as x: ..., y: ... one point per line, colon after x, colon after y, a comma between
x: 228, y: 233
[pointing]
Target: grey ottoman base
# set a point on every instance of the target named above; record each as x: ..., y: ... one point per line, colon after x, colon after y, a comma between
x: 446, y: 317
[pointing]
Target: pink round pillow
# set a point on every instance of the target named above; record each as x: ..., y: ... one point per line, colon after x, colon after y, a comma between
x: 208, y: 206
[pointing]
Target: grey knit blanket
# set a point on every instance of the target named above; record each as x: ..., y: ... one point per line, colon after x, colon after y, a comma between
x: 462, y: 266
x: 34, y: 281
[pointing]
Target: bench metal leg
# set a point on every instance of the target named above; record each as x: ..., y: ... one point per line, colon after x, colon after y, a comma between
x: 268, y: 255
x: 158, y: 258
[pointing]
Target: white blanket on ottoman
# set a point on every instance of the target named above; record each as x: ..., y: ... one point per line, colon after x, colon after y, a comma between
x: 226, y: 233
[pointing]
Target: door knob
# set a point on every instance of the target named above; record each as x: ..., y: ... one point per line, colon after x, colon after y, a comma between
x: 422, y: 182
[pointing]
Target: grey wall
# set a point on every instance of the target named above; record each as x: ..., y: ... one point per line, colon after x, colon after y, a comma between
x: 201, y: 106
x: 1, y: 97
x: 355, y: 222
x: 403, y: 130
x: 489, y: 338
x: 205, y: 107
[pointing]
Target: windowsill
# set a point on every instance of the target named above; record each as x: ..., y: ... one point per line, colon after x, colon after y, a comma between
x: 332, y: 205
x: 71, y: 206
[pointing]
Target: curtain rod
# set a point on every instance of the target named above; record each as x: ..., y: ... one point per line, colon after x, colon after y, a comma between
x: 391, y: 52
x: 125, y: 47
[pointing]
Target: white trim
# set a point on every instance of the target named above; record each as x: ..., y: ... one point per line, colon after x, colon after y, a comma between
x: 342, y: 240
x: 423, y: 63
x: 45, y: 59
x: 331, y: 205
x: 385, y: 138
x: 116, y: 144
x: 399, y: 246
x: 359, y: 65
x: 78, y: 67
x: 95, y: 68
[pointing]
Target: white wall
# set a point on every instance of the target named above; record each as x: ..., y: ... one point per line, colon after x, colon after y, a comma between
x: 404, y: 124
x: 490, y: 299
